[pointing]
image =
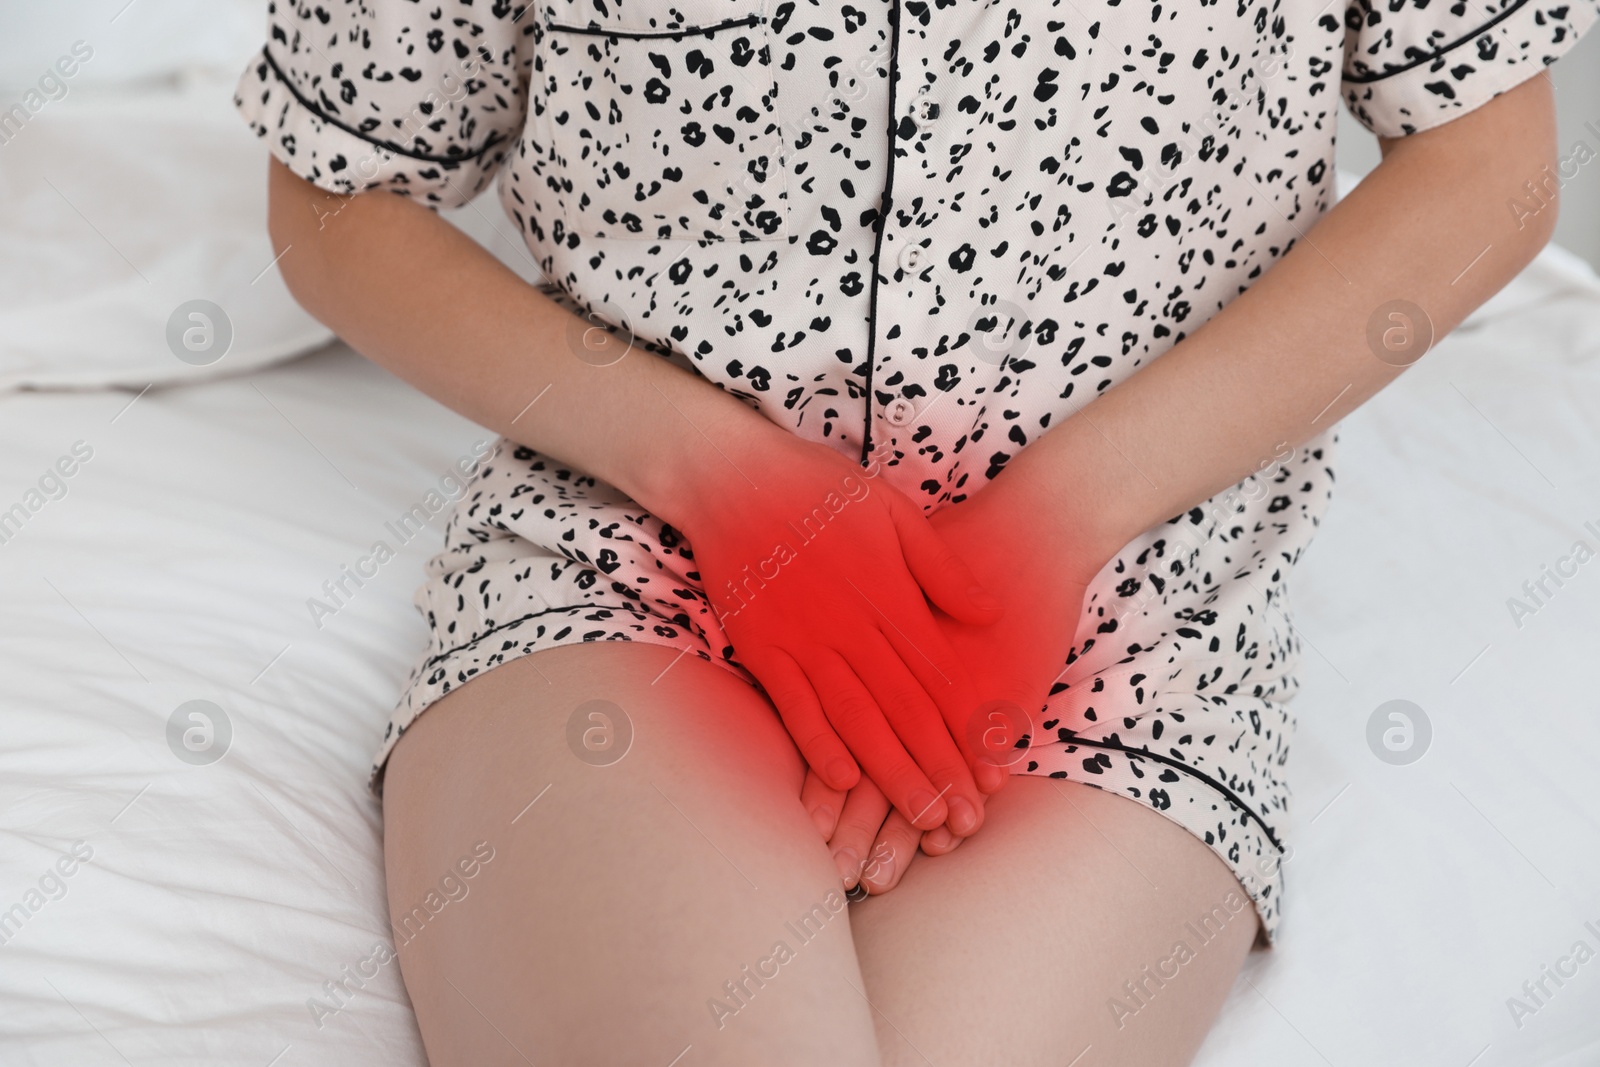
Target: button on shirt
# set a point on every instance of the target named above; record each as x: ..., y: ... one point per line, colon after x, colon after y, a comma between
x: 900, y: 411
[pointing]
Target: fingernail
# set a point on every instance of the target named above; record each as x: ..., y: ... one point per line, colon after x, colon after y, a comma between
x: 983, y: 598
x: 940, y: 837
x: 963, y: 818
x: 822, y: 815
x: 838, y: 771
x: 922, y: 806
x: 849, y: 864
x: 882, y: 873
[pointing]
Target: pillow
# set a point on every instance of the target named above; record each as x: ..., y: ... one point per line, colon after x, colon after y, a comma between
x: 123, y: 209
x: 135, y: 227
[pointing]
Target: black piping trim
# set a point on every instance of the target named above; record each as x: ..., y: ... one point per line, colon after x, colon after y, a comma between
x: 601, y: 31
x: 494, y: 138
x: 1203, y: 776
x: 887, y: 205
x: 432, y: 661
x: 1370, y: 77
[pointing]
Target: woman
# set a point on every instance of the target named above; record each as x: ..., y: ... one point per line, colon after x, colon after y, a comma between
x: 852, y: 302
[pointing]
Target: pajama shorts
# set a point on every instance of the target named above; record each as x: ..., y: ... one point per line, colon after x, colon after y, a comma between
x: 1153, y: 705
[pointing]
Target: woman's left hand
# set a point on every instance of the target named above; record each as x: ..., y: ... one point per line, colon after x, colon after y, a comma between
x: 1039, y: 570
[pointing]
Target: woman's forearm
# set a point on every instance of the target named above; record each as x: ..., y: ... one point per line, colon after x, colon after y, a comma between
x: 1290, y: 356
x: 415, y: 295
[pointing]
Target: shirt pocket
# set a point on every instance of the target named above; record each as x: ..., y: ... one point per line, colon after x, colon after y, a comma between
x: 664, y: 121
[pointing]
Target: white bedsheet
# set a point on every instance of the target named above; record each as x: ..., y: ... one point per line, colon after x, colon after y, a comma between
x: 219, y: 899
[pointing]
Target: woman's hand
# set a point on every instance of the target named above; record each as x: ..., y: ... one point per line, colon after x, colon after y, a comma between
x: 818, y: 574
x: 1040, y: 575
x: 872, y: 844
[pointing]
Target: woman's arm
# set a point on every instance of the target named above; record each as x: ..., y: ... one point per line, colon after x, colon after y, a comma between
x: 1289, y: 357
x: 417, y: 296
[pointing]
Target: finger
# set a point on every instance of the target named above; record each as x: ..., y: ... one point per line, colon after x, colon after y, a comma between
x: 791, y: 693
x: 862, y: 815
x: 892, y: 853
x: 999, y: 731
x: 822, y: 801
x: 939, y: 841
x: 919, y: 645
x: 942, y: 574
x: 989, y: 776
x: 948, y: 683
x: 920, y: 727
x: 859, y: 721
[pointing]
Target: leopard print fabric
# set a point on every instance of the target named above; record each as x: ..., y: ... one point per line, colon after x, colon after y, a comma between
x: 925, y: 232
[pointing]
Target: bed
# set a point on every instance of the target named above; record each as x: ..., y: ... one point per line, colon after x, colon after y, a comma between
x: 191, y: 867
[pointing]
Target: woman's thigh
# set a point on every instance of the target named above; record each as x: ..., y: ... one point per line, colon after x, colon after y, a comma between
x: 677, y: 898
x: 1076, y: 927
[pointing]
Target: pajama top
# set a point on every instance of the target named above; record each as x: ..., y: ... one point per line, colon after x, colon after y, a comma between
x: 922, y: 232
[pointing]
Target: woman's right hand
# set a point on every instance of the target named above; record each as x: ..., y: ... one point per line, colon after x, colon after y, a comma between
x: 818, y: 571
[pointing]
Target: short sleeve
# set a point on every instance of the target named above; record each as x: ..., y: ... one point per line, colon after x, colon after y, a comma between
x: 424, y: 99
x: 1410, y: 65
